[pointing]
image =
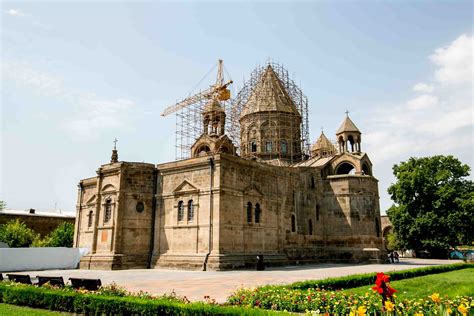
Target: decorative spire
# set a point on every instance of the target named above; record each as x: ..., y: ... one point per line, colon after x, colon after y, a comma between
x: 114, y: 157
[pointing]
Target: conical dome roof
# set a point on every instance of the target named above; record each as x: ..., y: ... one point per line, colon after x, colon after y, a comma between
x: 213, y: 105
x: 347, y: 126
x: 323, y: 143
x: 269, y: 95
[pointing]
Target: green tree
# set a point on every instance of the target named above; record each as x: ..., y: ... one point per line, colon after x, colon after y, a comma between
x: 434, y: 204
x: 62, y: 236
x: 17, y: 234
x: 393, y: 243
x: 3, y: 205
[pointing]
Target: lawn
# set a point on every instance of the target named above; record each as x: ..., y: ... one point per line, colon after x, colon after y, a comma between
x: 6, y: 309
x: 460, y: 282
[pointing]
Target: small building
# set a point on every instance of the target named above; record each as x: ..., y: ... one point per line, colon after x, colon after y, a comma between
x: 41, y: 222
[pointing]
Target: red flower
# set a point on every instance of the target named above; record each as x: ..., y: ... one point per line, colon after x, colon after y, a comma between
x: 382, y: 286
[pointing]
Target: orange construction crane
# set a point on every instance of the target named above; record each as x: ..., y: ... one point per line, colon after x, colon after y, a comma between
x: 217, y: 91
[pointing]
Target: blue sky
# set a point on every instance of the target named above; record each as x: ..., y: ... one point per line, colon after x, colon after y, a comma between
x: 76, y: 75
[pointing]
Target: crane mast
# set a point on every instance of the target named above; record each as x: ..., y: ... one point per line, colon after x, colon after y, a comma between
x: 217, y: 91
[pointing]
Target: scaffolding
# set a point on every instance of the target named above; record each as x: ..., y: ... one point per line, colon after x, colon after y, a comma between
x: 299, y: 99
x: 189, y: 126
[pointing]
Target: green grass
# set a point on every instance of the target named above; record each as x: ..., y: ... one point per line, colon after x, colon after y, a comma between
x: 7, y: 309
x: 460, y: 282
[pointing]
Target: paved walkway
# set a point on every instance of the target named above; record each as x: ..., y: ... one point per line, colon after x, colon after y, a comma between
x: 220, y: 284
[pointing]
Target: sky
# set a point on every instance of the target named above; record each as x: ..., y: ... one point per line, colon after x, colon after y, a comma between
x: 76, y: 75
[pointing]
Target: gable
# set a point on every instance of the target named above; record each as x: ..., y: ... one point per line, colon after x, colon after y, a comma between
x: 185, y: 187
x: 109, y: 187
x: 91, y: 199
x: 253, y: 190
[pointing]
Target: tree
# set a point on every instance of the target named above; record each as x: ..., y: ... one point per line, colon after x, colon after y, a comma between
x: 17, y: 234
x: 3, y: 205
x: 62, y: 236
x: 434, y: 204
x: 393, y: 243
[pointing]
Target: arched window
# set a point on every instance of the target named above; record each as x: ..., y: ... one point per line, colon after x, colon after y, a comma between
x: 180, y: 211
x: 317, y: 212
x: 90, y: 219
x: 108, y: 210
x: 310, y: 226
x: 350, y: 139
x: 366, y: 169
x: 268, y: 146
x: 257, y: 213
x: 249, y: 212
x: 293, y: 223
x: 253, y: 146
x: 345, y: 168
x: 377, y: 227
x: 284, y: 147
x: 190, y: 210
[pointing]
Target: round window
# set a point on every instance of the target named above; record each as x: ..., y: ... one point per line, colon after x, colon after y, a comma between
x: 140, y: 207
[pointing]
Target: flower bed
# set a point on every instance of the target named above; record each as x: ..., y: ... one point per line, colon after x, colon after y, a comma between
x: 320, y: 301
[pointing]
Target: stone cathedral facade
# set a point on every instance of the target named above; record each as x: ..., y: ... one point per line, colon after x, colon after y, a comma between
x: 218, y: 210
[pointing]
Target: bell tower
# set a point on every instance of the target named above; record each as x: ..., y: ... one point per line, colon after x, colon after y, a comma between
x: 348, y: 136
x: 213, y: 118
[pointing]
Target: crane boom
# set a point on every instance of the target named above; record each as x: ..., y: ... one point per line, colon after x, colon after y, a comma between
x: 218, y: 91
x: 188, y: 101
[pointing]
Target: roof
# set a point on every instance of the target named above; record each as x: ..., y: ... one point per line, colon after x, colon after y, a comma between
x: 269, y: 94
x: 347, y: 126
x: 56, y: 213
x: 323, y: 143
x: 213, y: 105
x: 314, y: 162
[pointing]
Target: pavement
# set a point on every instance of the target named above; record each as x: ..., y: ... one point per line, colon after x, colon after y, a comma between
x: 220, y: 284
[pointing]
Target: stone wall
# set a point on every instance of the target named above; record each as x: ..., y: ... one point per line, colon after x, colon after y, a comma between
x: 115, y: 216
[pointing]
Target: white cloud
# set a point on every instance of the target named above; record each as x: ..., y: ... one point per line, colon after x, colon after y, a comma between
x: 92, y: 113
x: 15, y: 12
x: 95, y: 114
x: 40, y: 82
x: 423, y: 87
x: 455, y: 61
x: 439, y: 121
x: 422, y: 102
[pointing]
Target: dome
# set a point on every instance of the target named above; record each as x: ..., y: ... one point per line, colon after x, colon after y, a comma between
x: 269, y: 95
x: 347, y: 126
x: 323, y: 143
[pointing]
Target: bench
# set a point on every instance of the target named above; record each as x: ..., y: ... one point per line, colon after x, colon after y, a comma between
x: 20, y: 278
x: 55, y: 281
x: 88, y: 284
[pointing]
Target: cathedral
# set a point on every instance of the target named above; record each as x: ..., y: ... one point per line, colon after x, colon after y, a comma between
x: 228, y: 203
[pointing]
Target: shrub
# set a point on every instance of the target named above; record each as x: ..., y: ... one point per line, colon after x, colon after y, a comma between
x: 17, y: 234
x: 68, y: 300
x: 357, y: 280
x: 62, y: 236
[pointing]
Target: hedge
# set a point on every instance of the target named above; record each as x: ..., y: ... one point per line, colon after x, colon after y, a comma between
x: 87, y: 303
x: 357, y: 280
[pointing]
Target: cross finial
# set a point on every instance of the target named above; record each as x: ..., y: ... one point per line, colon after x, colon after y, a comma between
x: 322, y: 129
x: 347, y: 113
x: 115, y: 143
